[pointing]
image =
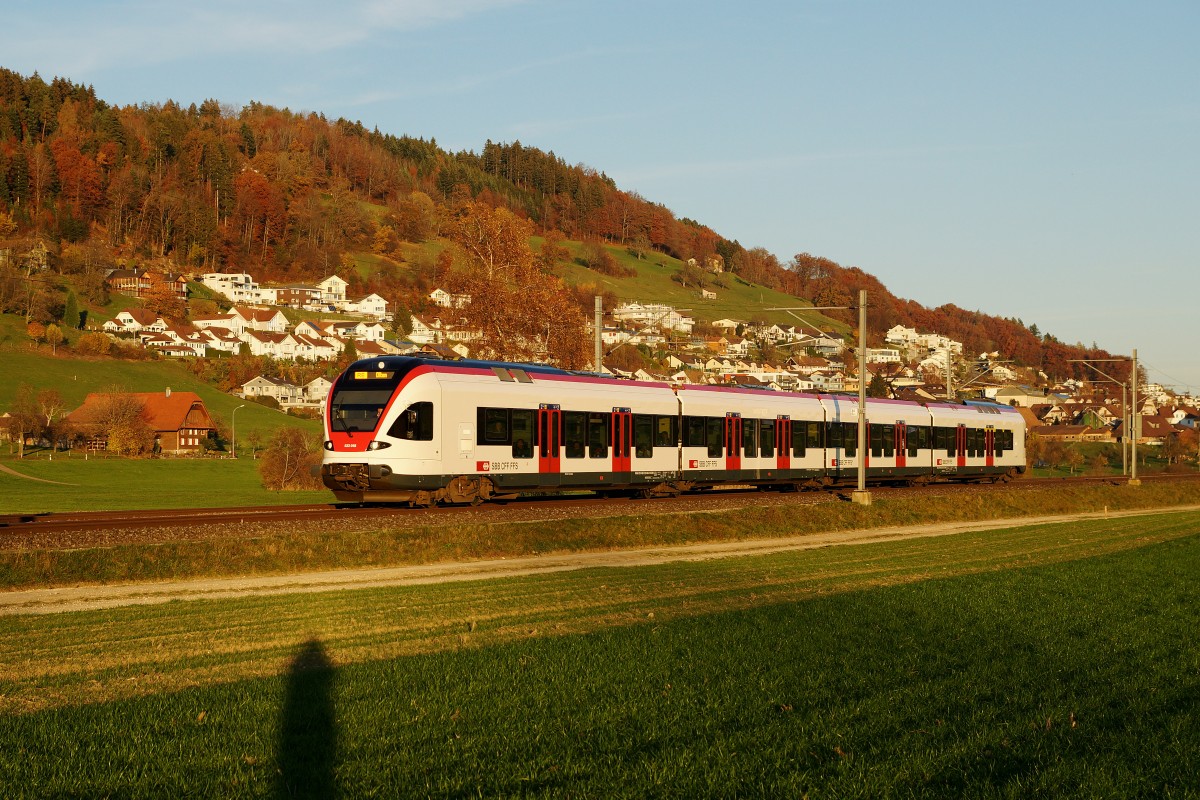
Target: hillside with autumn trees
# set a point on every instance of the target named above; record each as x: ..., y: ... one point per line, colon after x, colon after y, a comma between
x: 295, y: 197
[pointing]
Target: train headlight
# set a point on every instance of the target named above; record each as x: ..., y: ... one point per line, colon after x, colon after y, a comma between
x: 378, y: 445
x: 328, y: 445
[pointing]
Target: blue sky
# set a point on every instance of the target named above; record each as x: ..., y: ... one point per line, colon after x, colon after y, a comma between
x: 1038, y: 160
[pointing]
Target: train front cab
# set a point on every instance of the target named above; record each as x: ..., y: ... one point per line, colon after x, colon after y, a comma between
x: 382, y: 437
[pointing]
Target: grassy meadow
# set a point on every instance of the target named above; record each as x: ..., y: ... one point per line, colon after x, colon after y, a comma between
x: 80, y: 482
x: 1054, y: 660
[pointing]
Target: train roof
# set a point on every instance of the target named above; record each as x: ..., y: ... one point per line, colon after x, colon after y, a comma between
x: 405, y: 364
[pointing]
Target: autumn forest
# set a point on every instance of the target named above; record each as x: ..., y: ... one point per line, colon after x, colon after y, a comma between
x: 290, y: 196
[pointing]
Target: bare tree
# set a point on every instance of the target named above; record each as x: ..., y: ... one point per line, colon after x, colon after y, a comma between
x: 24, y: 420
x: 287, y: 461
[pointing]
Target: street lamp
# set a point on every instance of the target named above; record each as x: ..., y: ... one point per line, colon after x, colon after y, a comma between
x: 233, y: 433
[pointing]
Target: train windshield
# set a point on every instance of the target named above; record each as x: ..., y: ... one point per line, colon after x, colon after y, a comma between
x: 359, y: 399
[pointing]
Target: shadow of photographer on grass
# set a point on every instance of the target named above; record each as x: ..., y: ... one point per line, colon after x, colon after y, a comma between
x: 308, y: 727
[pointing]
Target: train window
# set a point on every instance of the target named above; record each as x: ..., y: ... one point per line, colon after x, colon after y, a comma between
x: 799, y: 438
x: 597, y: 435
x: 944, y: 439
x: 766, y: 438
x: 814, y: 439
x: 875, y: 433
x: 522, y: 433
x: 357, y: 410
x: 716, y: 436
x: 643, y: 435
x: 749, y: 437
x: 666, y: 431
x: 693, y: 432
x: 849, y: 437
x: 889, y: 440
x: 916, y: 439
x: 415, y: 423
x: 574, y: 433
x: 493, y: 426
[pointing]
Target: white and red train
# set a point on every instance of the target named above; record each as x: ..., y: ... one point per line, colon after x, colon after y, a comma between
x: 423, y: 432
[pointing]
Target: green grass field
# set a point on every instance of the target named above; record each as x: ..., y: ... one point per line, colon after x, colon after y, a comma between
x: 117, y: 484
x: 1053, y: 661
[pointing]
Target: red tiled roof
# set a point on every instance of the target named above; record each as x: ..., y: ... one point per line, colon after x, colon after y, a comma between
x: 161, y: 411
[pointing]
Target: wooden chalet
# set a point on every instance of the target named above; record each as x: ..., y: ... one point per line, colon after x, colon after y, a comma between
x: 179, y: 420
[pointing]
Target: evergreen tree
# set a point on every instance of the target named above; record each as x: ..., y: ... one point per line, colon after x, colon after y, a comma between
x: 71, y: 315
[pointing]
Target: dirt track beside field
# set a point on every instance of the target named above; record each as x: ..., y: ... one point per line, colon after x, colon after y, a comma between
x: 88, y: 598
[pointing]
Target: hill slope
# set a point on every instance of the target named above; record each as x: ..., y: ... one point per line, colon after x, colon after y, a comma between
x: 295, y: 197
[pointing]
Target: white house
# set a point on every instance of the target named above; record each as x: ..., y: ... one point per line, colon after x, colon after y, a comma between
x: 883, y: 355
x: 237, y: 286
x: 425, y: 332
x: 135, y: 320
x: 370, y: 331
x: 230, y: 322
x: 333, y: 290
x: 216, y: 338
x: 263, y: 386
x: 261, y: 319
x: 372, y: 305
x: 316, y: 391
x: 317, y: 348
x: 828, y: 381
x: 655, y: 315
x: 441, y: 297
x: 275, y: 345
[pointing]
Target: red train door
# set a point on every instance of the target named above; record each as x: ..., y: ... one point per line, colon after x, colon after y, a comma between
x: 783, y: 443
x: 733, y: 441
x: 989, y: 445
x: 622, y: 444
x: 549, y: 422
x: 960, y: 443
x: 901, y: 444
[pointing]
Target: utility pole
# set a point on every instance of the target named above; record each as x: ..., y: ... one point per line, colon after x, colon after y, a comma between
x: 598, y: 359
x: 861, y: 495
x: 949, y: 375
x: 1124, y: 427
x: 1137, y: 423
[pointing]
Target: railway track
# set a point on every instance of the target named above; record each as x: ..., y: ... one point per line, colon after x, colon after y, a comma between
x: 79, y: 528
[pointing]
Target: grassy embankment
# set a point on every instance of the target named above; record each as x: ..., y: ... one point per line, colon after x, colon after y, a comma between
x: 257, y: 548
x: 1054, y: 660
